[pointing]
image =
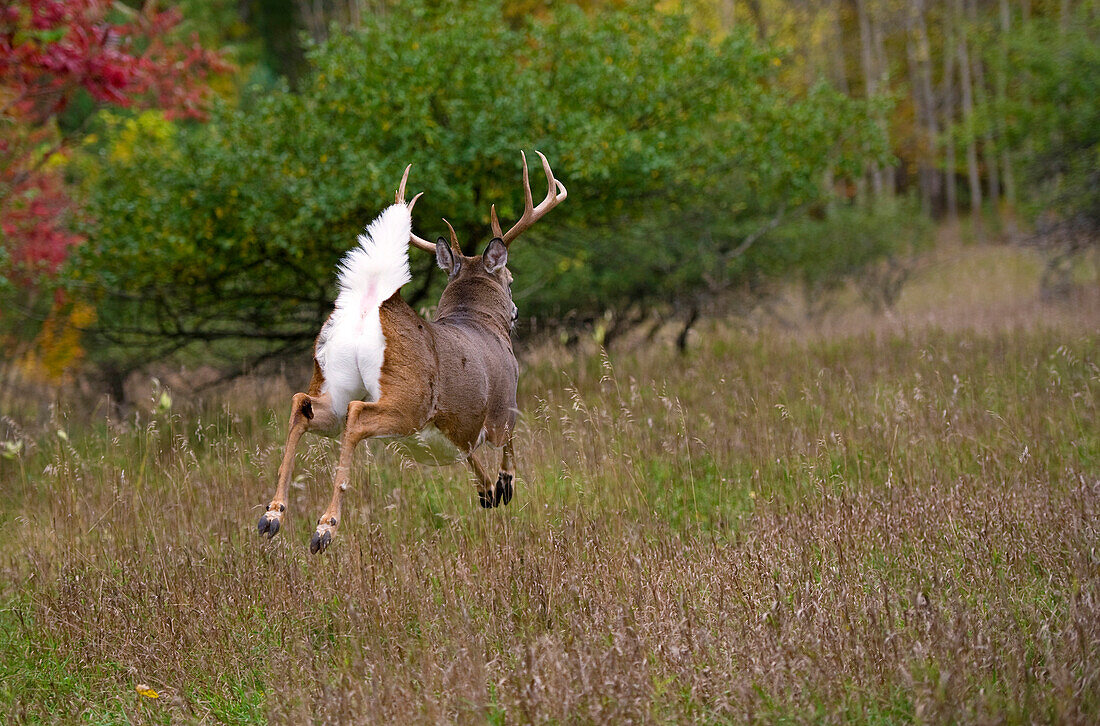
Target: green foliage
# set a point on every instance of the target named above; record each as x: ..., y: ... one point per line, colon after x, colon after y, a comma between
x: 841, y: 246
x: 1053, y: 114
x: 674, y: 149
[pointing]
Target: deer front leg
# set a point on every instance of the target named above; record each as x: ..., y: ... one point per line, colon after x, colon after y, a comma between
x: 485, y: 495
x: 365, y: 419
x: 306, y: 413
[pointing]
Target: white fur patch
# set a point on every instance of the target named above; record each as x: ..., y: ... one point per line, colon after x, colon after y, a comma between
x: 351, y: 345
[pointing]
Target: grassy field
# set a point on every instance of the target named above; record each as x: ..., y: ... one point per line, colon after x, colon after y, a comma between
x: 896, y: 521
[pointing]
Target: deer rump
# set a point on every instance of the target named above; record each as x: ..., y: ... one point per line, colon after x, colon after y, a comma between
x: 351, y: 346
x: 442, y: 387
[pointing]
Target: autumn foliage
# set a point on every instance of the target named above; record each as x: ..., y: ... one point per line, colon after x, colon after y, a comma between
x: 52, y: 53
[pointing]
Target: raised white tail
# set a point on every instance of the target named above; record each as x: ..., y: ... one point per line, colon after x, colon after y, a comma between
x: 442, y: 386
x: 379, y: 266
x: 351, y: 344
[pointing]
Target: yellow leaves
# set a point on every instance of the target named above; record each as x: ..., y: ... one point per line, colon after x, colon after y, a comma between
x: 146, y: 691
x: 572, y: 263
x: 129, y: 133
x: 82, y: 315
x: 223, y: 85
x: 57, y: 352
x: 55, y: 161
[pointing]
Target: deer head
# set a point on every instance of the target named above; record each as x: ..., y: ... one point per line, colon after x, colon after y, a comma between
x: 456, y: 375
x: 483, y: 283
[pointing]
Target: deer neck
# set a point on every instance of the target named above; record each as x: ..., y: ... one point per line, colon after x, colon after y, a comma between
x: 475, y: 303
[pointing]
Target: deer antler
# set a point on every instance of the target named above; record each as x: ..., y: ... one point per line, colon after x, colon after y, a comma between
x: 555, y: 193
x: 455, y: 246
x: 399, y: 198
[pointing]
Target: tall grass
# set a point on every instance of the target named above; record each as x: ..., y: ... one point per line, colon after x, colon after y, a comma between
x: 891, y: 528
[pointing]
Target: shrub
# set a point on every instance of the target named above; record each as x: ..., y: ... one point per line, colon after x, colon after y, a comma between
x: 673, y: 147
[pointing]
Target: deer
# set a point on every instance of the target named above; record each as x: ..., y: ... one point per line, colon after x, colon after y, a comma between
x: 440, y: 388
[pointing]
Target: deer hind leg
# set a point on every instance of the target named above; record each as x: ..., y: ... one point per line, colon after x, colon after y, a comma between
x: 306, y: 412
x: 489, y: 493
x: 365, y: 419
x: 507, y: 476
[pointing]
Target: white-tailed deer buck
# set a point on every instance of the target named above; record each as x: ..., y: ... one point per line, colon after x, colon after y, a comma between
x: 441, y: 386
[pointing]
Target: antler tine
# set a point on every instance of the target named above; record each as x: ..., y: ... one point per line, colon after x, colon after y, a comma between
x: 494, y: 221
x: 454, y: 239
x: 528, y: 205
x: 399, y: 198
x: 555, y: 193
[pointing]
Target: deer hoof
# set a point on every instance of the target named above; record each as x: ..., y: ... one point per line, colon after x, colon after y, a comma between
x: 322, y: 536
x: 504, y: 488
x: 269, y: 523
x: 499, y: 493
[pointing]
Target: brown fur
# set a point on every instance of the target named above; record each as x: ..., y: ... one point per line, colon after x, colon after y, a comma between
x: 457, y: 372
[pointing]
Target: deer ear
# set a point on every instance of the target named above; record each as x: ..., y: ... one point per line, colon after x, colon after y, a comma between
x: 496, y: 255
x: 445, y: 258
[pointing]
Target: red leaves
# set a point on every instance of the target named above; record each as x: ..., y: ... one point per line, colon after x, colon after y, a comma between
x: 33, y: 220
x: 51, y: 50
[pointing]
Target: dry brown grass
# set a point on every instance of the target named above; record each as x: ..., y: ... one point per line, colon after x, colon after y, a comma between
x: 882, y: 526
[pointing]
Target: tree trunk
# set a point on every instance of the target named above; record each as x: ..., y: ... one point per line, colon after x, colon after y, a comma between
x: 989, y: 149
x: 950, y: 185
x: 921, y: 73
x: 837, y: 55
x: 757, y: 13
x: 972, y: 171
x: 881, y: 69
x: 839, y: 75
x: 682, y: 338
x: 1007, y: 178
x: 727, y: 14
x: 918, y: 113
x: 870, y: 78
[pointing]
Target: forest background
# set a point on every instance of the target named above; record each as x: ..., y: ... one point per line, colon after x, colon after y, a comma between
x: 808, y: 421
x: 178, y: 183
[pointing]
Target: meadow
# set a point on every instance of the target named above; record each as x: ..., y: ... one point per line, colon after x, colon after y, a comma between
x: 891, y: 519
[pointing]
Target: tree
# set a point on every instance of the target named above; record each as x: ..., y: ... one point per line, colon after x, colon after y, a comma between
x: 221, y: 240
x: 59, y: 61
x: 1052, y: 114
